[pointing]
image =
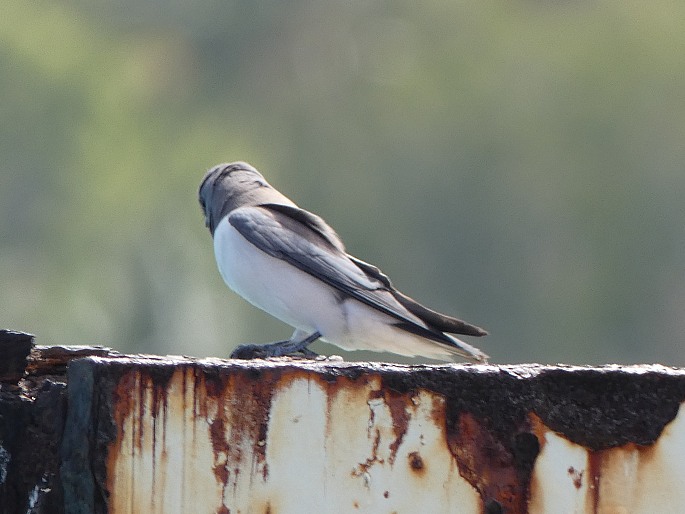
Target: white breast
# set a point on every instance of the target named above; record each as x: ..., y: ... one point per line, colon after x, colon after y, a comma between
x: 275, y: 286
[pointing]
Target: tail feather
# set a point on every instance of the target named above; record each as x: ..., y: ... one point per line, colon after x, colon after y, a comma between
x: 434, y: 319
x: 448, y: 342
x: 467, y: 351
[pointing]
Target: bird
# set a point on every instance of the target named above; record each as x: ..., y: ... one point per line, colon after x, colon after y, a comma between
x: 290, y: 263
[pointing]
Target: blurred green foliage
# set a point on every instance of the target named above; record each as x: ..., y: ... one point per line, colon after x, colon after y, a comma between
x: 520, y: 164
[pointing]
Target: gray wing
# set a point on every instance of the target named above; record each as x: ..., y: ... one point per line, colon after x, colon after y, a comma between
x: 287, y: 238
x: 305, y: 241
x: 432, y: 318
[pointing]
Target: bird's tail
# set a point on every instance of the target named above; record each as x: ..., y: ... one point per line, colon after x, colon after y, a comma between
x: 466, y: 350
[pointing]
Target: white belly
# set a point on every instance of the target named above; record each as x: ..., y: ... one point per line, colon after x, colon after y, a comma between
x: 275, y: 286
x: 305, y: 303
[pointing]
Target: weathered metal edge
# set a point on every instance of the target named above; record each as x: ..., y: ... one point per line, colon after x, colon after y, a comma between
x: 597, y: 407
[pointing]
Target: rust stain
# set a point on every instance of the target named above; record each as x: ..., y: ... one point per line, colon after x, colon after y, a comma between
x: 242, y: 401
x: 123, y: 401
x: 200, y: 407
x: 438, y: 411
x: 489, y: 466
x: 539, y: 429
x: 363, y: 467
x: 141, y: 389
x: 601, y: 462
x: 234, y: 403
x: 122, y: 404
x: 398, y: 404
x: 647, y: 453
x: 594, y: 470
x: 416, y: 462
x: 334, y: 386
x: 493, y: 444
x: 137, y: 391
x: 373, y: 431
x: 160, y: 407
x: 577, y: 477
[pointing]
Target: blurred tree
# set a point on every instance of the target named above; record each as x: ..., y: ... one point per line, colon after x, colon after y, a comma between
x: 519, y: 164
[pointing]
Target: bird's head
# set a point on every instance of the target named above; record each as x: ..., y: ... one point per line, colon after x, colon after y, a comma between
x: 224, y: 187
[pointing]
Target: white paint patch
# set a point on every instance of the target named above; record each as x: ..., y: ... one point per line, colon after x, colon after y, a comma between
x: 570, y: 479
x: 345, y: 445
x: 560, y: 477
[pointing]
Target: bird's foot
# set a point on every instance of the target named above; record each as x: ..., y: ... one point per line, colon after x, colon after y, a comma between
x: 277, y: 349
x: 251, y: 351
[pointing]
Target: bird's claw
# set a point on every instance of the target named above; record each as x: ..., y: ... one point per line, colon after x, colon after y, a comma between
x: 250, y: 351
x: 277, y: 349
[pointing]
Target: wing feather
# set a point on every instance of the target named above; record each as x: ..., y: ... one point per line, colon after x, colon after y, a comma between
x: 308, y: 243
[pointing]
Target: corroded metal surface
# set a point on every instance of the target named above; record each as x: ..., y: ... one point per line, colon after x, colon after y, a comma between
x: 14, y: 350
x: 32, y: 415
x: 180, y: 435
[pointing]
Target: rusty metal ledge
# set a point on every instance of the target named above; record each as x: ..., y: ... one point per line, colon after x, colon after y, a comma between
x: 88, y: 430
x: 152, y: 434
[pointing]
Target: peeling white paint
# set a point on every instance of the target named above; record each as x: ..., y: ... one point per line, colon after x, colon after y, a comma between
x: 569, y: 479
x: 339, y: 443
x: 348, y: 446
x: 560, y: 478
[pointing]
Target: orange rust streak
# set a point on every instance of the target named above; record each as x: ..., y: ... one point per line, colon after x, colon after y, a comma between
x: 122, y: 406
x: 594, y: 460
x: 236, y: 410
x: 487, y: 465
x: 539, y: 429
x: 397, y: 403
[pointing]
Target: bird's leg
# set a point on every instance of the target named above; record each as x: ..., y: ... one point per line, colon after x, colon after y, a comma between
x: 277, y: 349
x: 295, y: 345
